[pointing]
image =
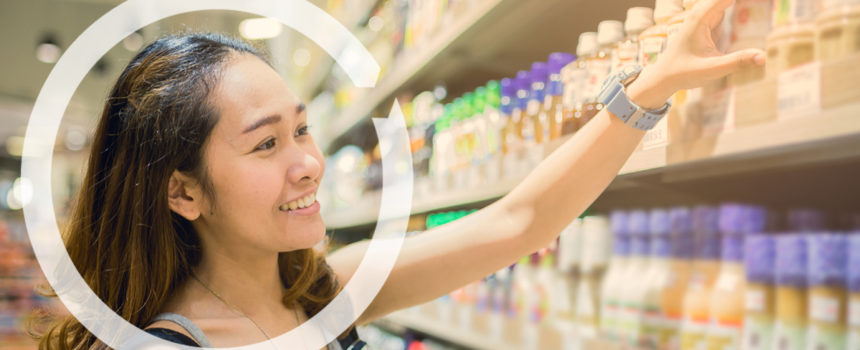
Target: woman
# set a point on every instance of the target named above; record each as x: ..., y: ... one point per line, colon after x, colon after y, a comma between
x: 197, y: 217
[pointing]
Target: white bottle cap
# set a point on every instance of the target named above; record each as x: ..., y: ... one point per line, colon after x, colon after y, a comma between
x: 638, y: 19
x: 587, y: 44
x: 665, y: 9
x: 609, y: 32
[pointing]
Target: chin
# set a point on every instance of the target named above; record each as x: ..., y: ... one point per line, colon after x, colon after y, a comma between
x: 307, y: 235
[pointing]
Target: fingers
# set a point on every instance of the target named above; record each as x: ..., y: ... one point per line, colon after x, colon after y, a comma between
x: 723, y: 65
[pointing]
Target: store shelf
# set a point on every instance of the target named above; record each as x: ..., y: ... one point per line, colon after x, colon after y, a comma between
x: 321, y: 71
x: 442, y: 330
x: 406, y: 67
x: 475, y: 336
x: 490, y: 40
x: 829, y: 136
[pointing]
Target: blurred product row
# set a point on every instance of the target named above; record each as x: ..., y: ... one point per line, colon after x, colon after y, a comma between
x: 732, y: 276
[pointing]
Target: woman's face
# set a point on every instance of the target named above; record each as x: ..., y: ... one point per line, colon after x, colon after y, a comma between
x: 263, y: 164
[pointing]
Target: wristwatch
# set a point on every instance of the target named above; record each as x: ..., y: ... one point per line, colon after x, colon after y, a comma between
x: 614, y: 97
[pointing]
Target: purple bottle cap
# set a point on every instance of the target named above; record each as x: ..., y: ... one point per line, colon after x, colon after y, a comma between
x: 618, y: 222
x: 557, y: 61
x: 637, y: 228
x: 539, y: 78
x: 731, y: 217
x: 759, y: 258
x: 523, y: 83
x: 791, y: 262
x: 755, y: 220
x: 509, y: 95
x: 732, y: 248
x: 659, y: 227
x: 680, y: 220
x: 637, y: 223
x: 828, y: 256
x: 659, y: 222
x: 681, y: 232
x: 854, y: 262
x: 805, y: 220
x: 705, y: 219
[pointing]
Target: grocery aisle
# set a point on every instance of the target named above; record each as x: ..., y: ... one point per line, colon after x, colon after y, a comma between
x: 734, y: 225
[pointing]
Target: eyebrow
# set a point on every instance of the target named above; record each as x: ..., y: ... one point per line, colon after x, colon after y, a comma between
x: 270, y: 120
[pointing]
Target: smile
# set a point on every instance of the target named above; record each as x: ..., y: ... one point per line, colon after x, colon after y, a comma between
x: 300, y: 203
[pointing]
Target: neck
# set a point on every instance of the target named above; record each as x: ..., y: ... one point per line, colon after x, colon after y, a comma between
x: 246, y: 280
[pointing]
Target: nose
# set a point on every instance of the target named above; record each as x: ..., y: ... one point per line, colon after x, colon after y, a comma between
x: 303, y: 166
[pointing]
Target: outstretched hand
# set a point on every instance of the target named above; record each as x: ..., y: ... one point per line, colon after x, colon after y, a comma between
x: 692, y: 59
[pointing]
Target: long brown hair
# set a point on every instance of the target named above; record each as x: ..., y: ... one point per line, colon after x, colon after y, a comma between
x: 130, y: 248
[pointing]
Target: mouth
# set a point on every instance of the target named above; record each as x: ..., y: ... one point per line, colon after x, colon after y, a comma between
x: 304, y: 206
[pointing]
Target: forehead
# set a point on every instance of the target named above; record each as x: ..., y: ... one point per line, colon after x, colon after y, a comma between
x: 248, y: 89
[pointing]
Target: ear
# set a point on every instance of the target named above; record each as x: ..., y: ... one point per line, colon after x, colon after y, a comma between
x: 183, y: 196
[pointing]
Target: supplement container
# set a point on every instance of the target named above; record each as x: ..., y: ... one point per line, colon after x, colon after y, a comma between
x: 553, y: 105
x: 610, y: 304
x: 638, y: 20
x: 838, y: 48
x: 853, y: 341
x: 791, y: 292
x: 827, y: 292
x: 750, y: 27
x: 656, y: 330
x: 576, y: 86
x: 595, y: 254
x: 789, y: 47
x: 759, y: 259
x: 706, y: 267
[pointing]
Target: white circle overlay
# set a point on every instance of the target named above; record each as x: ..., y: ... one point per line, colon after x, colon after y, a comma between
x: 69, y: 71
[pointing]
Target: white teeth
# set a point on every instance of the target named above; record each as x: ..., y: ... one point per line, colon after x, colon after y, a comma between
x: 303, y: 202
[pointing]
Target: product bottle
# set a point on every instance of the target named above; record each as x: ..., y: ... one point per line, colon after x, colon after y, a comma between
x: 595, y: 254
x: 553, y: 106
x: 535, y: 113
x: 569, y: 249
x: 828, y: 296
x: 525, y: 131
x: 759, y: 257
x: 610, y: 303
x: 480, y: 130
x: 854, y: 287
x: 657, y: 279
x: 791, y: 292
x: 507, y: 101
x: 444, y: 153
x: 577, y: 82
x: 672, y: 303
x: 627, y: 52
x: 630, y: 316
x: 652, y: 41
x: 697, y: 298
x: 495, y: 127
x: 728, y: 295
x: 804, y: 220
x: 609, y: 33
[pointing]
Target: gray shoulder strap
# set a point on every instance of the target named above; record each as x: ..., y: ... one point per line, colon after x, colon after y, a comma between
x: 189, y: 326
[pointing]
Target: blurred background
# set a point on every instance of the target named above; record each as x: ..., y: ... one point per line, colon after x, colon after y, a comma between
x: 764, y: 159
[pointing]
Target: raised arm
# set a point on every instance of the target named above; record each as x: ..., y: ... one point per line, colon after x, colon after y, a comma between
x: 557, y: 191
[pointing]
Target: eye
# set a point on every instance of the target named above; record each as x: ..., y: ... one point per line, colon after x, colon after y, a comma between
x: 302, y: 130
x: 269, y: 144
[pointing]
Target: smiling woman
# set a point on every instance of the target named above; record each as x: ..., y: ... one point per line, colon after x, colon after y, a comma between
x: 200, y: 165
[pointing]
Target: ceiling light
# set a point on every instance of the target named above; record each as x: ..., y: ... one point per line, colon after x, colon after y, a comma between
x: 48, y: 50
x: 133, y: 42
x: 260, y: 28
x: 375, y: 23
x: 301, y: 57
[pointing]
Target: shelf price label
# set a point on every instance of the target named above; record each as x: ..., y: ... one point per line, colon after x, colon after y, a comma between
x: 799, y: 91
